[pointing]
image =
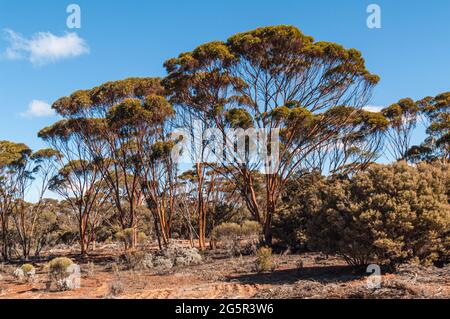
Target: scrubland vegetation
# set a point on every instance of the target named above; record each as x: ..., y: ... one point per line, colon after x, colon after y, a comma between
x: 132, y: 217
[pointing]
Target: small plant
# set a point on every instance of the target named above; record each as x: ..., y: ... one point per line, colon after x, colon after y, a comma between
x: 187, y: 257
x: 264, y: 260
x: 63, y: 274
x: 134, y: 260
x: 19, y: 274
x: 126, y: 236
x: 250, y: 229
x: 162, y: 263
x: 114, y: 268
x: 116, y: 288
x: 91, y: 269
x: 29, y: 272
x: 147, y: 262
x: 142, y: 237
x: 227, y: 231
x: 300, y: 264
x: 60, y: 264
x: 233, y: 235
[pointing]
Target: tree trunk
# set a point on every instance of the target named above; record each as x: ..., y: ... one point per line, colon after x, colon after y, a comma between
x: 84, y: 242
x: 201, y: 209
x: 4, y: 241
x: 270, y: 212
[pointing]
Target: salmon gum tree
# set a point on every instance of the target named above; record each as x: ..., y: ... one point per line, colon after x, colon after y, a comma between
x: 277, y: 78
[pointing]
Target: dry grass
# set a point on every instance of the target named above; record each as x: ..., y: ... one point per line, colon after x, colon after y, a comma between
x: 220, y: 276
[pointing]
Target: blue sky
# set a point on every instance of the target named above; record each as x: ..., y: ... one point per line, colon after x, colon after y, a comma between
x: 133, y: 38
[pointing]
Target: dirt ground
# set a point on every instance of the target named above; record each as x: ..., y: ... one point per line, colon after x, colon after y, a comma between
x: 223, y: 277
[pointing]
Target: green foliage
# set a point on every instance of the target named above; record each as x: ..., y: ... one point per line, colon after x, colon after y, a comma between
x: 264, y: 260
x: 251, y: 228
x: 227, y: 231
x: 232, y: 234
x: 126, y: 236
x: 134, y: 259
x: 13, y: 154
x: 239, y: 118
x: 389, y: 214
x: 437, y: 145
x: 59, y: 265
x: 106, y: 94
x: 299, y: 202
x: 27, y: 268
x: 63, y: 274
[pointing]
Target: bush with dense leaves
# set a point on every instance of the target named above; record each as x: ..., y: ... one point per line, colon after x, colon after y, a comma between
x: 389, y: 214
x: 63, y: 274
x: 264, y: 260
x: 232, y: 235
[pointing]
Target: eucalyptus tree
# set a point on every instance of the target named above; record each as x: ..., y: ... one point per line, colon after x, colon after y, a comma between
x: 76, y: 175
x: 14, y: 175
x: 403, y: 117
x: 437, y: 112
x: 20, y: 169
x: 436, y: 115
x: 141, y: 125
x: 28, y: 217
x: 119, y: 124
x: 202, y: 186
x: 273, y: 78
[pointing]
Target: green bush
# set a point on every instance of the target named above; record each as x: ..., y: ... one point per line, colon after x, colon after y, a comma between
x: 126, y: 236
x: 299, y: 203
x: 60, y: 264
x: 389, y: 214
x: 63, y: 274
x: 27, y: 268
x: 227, y: 231
x: 264, y: 260
x: 232, y: 234
x: 135, y: 260
x: 251, y: 228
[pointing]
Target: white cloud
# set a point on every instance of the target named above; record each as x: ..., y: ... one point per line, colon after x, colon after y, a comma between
x: 38, y: 109
x: 373, y: 108
x: 44, y: 47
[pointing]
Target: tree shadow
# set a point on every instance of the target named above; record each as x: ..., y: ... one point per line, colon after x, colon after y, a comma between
x: 322, y: 274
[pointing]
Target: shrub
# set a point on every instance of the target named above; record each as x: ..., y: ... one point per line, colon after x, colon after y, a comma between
x: 187, y: 257
x: 142, y: 237
x: 299, y: 203
x: 29, y: 272
x: 126, y: 236
x: 264, y: 260
x: 227, y: 231
x: 388, y: 214
x: 162, y: 263
x: 116, y: 288
x: 134, y: 260
x: 60, y: 264
x: 90, y: 269
x: 19, y: 274
x: 250, y: 228
x: 147, y: 262
x: 63, y: 274
x: 114, y: 267
x: 28, y: 268
x: 174, y: 255
x: 231, y: 235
